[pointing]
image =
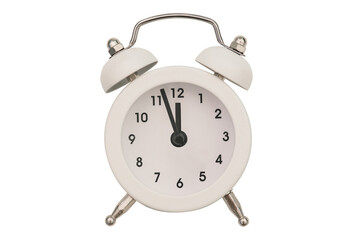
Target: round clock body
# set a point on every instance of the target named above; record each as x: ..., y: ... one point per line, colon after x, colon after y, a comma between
x: 163, y: 171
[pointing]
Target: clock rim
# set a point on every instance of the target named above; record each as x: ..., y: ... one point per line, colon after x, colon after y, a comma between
x: 113, y: 130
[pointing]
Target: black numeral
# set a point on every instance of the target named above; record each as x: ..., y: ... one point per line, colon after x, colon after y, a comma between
x: 179, y: 183
x: 201, y: 98
x: 226, y: 136
x: 131, y: 138
x: 180, y: 92
x: 202, y: 176
x: 219, y: 160
x: 143, y: 117
x: 157, y: 176
x: 154, y: 100
x: 218, y: 111
x: 139, y: 162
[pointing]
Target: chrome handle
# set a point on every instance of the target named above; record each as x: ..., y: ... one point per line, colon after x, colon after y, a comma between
x: 177, y: 15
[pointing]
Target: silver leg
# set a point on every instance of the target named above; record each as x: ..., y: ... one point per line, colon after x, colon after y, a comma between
x: 122, y: 207
x: 233, y: 204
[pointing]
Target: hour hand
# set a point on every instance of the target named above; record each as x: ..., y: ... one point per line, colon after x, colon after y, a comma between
x: 178, y: 138
x: 178, y: 116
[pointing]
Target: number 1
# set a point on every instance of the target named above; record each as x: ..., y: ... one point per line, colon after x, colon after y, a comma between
x: 201, y: 98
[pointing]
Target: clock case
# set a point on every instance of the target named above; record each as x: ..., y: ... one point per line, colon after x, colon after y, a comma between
x: 129, y: 65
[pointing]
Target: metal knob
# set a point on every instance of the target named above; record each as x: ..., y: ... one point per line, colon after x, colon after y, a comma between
x: 239, y: 44
x: 114, y: 46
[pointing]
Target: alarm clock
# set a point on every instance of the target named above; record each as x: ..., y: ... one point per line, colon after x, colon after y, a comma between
x: 177, y: 138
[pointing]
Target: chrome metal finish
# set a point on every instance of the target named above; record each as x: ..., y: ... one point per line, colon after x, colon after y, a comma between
x: 122, y: 207
x: 132, y: 77
x: 233, y: 204
x: 239, y: 44
x: 221, y: 77
x: 114, y: 46
x: 179, y: 15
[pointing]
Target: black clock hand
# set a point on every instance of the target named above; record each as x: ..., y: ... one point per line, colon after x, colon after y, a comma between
x: 178, y: 138
x: 178, y: 116
x: 168, y: 109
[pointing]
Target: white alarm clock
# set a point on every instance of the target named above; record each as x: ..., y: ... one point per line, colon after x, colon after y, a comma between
x: 177, y: 138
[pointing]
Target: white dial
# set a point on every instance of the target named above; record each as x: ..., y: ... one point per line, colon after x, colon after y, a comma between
x: 178, y: 138
x: 174, y: 165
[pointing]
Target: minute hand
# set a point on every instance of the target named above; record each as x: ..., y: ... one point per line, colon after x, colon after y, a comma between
x: 168, y: 109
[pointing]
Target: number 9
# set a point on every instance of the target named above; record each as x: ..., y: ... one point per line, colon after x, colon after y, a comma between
x: 131, y: 138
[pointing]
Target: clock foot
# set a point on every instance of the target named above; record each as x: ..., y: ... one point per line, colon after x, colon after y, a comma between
x: 233, y: 204
x: 122, y: 207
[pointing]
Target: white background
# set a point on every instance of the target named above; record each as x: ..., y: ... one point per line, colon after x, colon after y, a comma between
x: 302, y: 181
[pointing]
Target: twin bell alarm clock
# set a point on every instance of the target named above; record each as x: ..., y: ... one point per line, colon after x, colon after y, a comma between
x: 177, y: 138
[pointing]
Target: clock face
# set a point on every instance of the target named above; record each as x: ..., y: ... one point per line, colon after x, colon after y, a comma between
x: 178, y: 139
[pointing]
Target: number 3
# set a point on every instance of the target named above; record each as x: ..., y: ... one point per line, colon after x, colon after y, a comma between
x: 226, y: 136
